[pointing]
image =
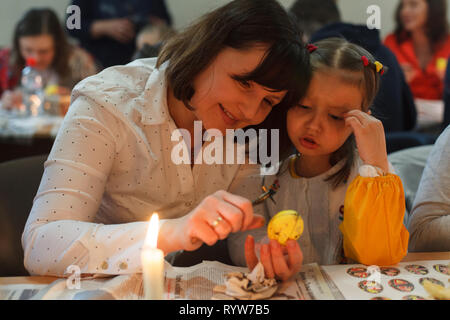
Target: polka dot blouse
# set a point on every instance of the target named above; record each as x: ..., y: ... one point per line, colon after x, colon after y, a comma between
x: 109, y: 169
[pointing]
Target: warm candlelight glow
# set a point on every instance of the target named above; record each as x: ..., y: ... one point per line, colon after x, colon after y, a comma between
x: 152, y: 262
x: 151, y: 239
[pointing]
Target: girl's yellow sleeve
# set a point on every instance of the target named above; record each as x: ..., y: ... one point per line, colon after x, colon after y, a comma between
x: 373, y: 229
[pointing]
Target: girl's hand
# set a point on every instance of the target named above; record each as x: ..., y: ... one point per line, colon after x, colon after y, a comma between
x: 274, y: 259
x: 214, y: 218
x: 370, y: 139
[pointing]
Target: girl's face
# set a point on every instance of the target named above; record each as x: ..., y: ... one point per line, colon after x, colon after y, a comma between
x: 316, y: 125
x: 222, y: 102
x: 413, y: 14
x: 40, y: 47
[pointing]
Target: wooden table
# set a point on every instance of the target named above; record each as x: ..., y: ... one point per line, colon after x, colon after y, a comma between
x: 412, y: 256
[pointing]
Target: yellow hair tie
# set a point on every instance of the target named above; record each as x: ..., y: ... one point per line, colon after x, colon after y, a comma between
x: 378, y: 65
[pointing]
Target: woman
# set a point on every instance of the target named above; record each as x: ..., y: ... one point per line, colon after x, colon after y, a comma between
x: 422, y: 45
x: 113, y: 164
x: 39, y: 35
x: 429, y: 221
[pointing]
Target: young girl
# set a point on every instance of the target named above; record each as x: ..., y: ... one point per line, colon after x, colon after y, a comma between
x: 339, y: 180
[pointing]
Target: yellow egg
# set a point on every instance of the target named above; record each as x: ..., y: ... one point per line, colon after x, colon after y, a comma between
x: 285, y: 225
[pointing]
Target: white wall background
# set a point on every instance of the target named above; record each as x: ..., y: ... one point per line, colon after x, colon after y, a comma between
x: 185, y: 11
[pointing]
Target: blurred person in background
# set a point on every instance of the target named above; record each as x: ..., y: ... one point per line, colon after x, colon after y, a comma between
x: 312, y: 15
x: 109, y: 27
x: 422, y: 45
x: 39, y: 35
x: 150, y: 40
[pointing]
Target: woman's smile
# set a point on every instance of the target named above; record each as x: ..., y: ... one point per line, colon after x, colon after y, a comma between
x: 228, y: 118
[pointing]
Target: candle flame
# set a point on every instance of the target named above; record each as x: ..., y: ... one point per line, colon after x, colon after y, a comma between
x: 151, y: 239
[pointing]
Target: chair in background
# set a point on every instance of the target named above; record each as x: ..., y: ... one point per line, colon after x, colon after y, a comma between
x: 19, y: 182
x: 403, y: 140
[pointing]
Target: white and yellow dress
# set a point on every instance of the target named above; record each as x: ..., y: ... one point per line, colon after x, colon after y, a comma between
x: 361, y: 220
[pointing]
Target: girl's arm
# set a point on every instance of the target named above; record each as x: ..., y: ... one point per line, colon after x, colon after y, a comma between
x: 374, y: 209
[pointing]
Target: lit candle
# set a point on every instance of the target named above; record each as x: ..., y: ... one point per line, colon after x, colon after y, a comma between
x: 152, y: 263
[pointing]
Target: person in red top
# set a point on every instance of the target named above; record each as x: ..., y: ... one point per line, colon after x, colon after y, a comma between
x: 421, y: 43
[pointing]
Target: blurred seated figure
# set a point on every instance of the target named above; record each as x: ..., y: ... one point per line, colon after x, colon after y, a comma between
x: 312, y: 15
x: 394, y: 104
x: 422, y: 45
x: 429, y: 223
x: 109, y: 27
x: 150, y: 39
x: 39, y: 35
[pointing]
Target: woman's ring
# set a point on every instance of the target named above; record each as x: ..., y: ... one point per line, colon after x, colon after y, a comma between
x: 216, y: 222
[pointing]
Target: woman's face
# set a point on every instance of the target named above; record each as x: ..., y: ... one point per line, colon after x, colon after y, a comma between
x: 316, y: 125
x: 222, y: 102
x: 413, y: 14
x: 40, y: 47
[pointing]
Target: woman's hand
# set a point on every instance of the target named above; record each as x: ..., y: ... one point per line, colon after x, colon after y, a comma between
x: 11, y: 99
x: 370, y: 138
x: 215, y: 218
x: 279, y: 261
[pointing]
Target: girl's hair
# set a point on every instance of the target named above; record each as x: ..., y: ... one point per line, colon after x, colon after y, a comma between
x: 436, y: 26
x: 242, y: 24
x: 37, y: 22
x: 344, y: 59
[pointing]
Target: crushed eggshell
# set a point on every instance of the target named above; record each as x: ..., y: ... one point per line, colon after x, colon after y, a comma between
x: 247, y: 286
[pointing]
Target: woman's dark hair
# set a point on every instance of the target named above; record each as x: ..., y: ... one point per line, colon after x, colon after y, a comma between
x: 436, y: 27
x: 338, y: 57
x: 37, y: 22
x: 242, y: 24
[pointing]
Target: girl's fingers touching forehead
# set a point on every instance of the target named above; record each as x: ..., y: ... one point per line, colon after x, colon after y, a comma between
x: 353, y: 112
x: 358, y: 114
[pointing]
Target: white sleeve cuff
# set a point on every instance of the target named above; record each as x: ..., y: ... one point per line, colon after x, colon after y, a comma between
x: 369, y: 171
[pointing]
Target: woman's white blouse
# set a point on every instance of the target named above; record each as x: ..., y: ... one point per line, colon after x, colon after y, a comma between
x: 109, y: 169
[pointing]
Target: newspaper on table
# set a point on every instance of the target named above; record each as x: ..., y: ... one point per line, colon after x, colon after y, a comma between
x: 192, y: 283
x: 313, y: 282
x: 403, y: 281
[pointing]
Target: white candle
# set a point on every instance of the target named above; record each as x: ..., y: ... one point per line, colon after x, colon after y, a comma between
x: 152, y: 263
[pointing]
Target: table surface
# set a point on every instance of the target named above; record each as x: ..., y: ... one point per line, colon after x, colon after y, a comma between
x: 412, y: 256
